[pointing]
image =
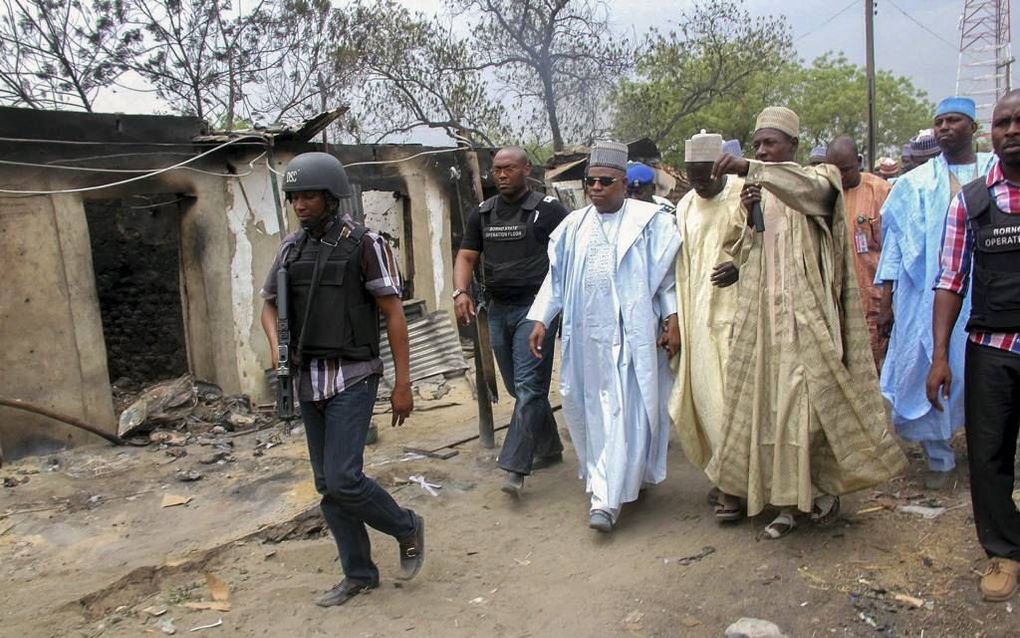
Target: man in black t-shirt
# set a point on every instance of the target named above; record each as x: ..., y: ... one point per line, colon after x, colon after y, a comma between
x: 512, y: 229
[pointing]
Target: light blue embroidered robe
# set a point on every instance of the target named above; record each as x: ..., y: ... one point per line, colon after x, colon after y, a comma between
x: 913, y: 219
x: 614, y: 380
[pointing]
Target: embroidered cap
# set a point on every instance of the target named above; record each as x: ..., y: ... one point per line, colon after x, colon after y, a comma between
x: 779, y: 118
x: 609, y: 155
x: 703, y: 147
x: 925, y: 145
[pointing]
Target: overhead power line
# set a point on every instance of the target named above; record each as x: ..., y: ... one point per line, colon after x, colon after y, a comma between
x: 920, y: 24
x: 830, y: 19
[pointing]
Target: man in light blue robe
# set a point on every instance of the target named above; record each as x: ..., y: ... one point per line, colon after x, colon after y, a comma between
x: 913, y: 219
x: 612, y: 276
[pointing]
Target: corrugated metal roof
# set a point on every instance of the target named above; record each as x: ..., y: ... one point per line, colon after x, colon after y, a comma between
x: 435, y: 349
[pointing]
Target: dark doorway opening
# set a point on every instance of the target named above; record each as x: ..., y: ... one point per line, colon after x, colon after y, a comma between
x: 137, y: 262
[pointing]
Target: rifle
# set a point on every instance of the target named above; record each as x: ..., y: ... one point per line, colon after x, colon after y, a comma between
x: 284, y: 387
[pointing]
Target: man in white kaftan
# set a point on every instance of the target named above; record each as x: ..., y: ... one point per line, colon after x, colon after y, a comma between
x: 612, y: 276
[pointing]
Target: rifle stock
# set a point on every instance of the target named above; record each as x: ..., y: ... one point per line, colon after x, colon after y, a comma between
x: 284, y: 388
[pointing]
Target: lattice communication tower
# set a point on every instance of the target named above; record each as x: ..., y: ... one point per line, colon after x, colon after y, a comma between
x: 986, y: 56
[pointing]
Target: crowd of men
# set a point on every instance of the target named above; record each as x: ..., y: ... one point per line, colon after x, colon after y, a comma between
x: 770, y: 317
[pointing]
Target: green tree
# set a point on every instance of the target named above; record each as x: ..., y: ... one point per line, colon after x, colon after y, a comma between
x: 830, y: 96
x: 715, y: 70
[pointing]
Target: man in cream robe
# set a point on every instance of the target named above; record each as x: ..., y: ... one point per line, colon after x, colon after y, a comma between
x: 611, y: 275
x: 711, y: 221
x: 804, y: 420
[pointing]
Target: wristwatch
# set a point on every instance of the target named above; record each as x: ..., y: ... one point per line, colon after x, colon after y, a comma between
x: 458, y: 292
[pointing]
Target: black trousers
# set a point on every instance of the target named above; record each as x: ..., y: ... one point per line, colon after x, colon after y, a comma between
x: 992, y: 401
x: 336, y: 432
x: 532, y: 429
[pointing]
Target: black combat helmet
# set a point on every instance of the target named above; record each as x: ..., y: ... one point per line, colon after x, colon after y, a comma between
x: 316, y: 172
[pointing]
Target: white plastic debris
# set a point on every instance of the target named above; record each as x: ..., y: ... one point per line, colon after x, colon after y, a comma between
x: 431, y: 488
x: 923, y: 511
x: 209, y: 626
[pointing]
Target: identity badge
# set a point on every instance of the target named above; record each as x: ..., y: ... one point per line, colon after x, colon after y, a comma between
x: 860, y: 242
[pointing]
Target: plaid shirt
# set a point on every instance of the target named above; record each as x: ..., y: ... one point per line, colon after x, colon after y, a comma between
x: 322, y: 379
x: 958, y: 246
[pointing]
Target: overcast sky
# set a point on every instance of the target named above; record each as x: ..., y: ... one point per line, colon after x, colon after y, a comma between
x: 925, y: 49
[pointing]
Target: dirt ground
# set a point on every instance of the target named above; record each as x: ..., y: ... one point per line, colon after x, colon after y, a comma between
x: 88, y: 550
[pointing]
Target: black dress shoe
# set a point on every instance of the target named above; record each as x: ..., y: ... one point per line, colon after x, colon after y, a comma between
x: 412, y: 550
x: 542, y: 462
x: 513, y: 483
x: 342, y: 593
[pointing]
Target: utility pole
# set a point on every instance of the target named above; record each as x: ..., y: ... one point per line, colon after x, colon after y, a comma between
x: 869, y: 27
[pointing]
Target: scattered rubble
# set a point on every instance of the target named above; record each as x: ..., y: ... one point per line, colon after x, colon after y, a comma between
x: 754, y: 628
x: 167, y: 626
x: 928, y: 513
x: 172, y: 411
x: 187, y: 476
x: 707, y: 550
x: 171, y: 500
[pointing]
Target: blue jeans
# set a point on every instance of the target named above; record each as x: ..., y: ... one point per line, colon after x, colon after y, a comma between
x: 532, y: 429
x: 336, y: 431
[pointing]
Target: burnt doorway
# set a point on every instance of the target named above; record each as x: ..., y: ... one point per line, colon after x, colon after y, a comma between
x: 136, y: 258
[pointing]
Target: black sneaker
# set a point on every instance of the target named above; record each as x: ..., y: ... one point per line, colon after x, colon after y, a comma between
x: 412, y: 550
x: 513, y: 483
x: 542, y: 462
x: 343, y: 592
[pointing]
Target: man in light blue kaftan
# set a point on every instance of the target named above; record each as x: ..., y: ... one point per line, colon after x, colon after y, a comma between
x: 612, y: 276
x: 913, y: 219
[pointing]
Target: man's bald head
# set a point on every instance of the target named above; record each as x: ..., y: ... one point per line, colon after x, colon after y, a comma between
x: 842, y: 153
x: 515, y: 153
x: 510, y: 169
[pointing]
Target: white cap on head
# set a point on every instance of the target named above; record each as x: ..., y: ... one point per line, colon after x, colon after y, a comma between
x: 703, y: 147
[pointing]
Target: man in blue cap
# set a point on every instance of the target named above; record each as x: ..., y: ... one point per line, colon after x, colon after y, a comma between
x: 817, y: 155
x: 641, y: 185
x: 913, y: 220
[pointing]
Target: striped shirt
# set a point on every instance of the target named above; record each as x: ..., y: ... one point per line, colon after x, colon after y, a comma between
x: 958, y: 247
x: 322, y: 379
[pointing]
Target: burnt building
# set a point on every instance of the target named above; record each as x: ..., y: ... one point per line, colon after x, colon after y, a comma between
x: 133, y: 248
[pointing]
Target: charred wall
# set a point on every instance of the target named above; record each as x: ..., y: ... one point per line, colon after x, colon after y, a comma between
x: 136, y: 260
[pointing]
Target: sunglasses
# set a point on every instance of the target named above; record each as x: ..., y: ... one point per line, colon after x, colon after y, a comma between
x: 604, y: 180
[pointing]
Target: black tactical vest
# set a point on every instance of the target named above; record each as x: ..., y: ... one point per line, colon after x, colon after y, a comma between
x: 995, y: 276
x: 343, y: 319
x: 515, y: 262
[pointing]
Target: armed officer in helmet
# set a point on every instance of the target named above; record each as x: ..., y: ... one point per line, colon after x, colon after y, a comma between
x: 340, y: 277
x: 512, y: 230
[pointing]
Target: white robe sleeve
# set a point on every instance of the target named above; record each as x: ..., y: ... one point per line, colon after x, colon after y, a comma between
x: 665, y: 296
x: 549, y: 300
